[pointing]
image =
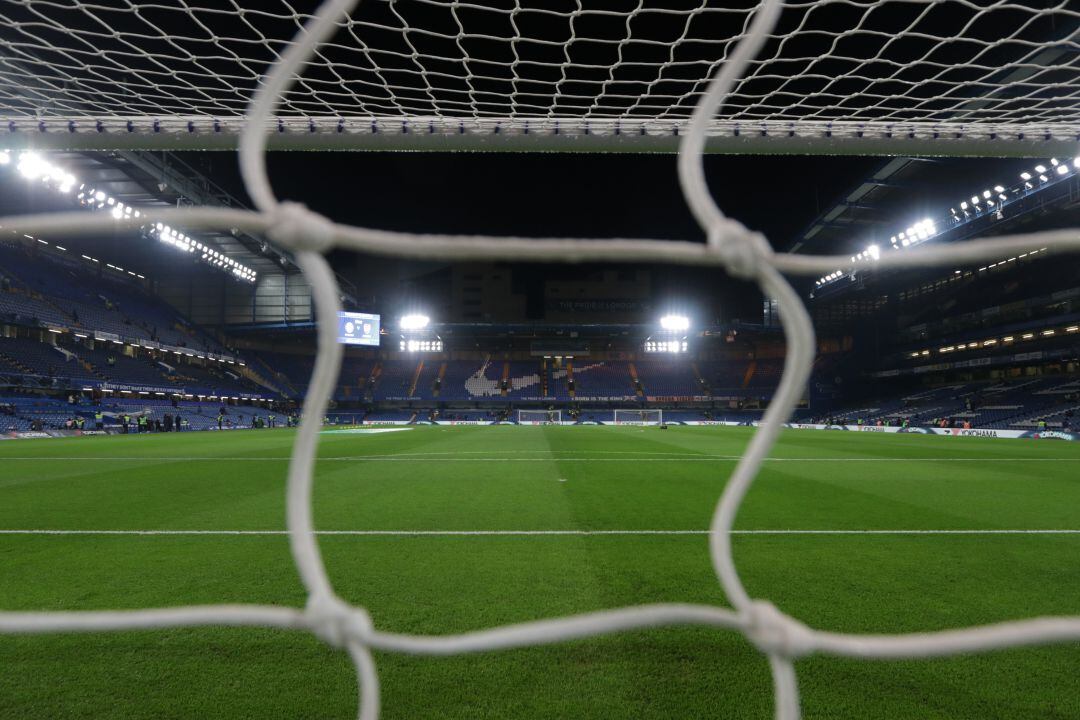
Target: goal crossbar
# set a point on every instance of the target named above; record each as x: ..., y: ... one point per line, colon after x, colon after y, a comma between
x: 441, y: 134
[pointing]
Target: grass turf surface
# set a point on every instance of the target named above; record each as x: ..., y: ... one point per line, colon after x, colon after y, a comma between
x: 537, y: 478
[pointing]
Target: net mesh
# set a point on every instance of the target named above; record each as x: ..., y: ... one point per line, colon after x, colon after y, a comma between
x: 742, y: 253
x: 887, y: 68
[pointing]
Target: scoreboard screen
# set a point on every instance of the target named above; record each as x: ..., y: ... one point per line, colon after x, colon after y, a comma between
x: 358, y: 329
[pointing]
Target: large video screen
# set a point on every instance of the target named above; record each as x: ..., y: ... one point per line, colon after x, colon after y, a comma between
x: 358, y: 329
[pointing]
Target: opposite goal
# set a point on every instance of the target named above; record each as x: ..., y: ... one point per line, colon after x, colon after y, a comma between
x: 539, y: 417
x: 639, y: 417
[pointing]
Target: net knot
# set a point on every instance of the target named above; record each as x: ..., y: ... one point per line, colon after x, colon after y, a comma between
x: 337, y: 623
x: 297, y: 228
x: 774, y: 633
x: 741, y: 250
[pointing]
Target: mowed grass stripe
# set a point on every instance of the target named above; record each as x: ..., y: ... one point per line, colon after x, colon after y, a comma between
x: 437, y: 481
x: 438, y: 586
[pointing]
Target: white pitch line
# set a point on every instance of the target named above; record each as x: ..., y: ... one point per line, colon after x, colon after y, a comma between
x: 417, y: 458
x: 531, y: 533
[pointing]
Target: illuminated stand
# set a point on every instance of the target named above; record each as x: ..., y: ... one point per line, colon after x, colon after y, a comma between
x: 539, y: 417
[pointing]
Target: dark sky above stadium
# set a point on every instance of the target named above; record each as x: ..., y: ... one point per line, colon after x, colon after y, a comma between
x: 551, y: 194
x: 587, y: 195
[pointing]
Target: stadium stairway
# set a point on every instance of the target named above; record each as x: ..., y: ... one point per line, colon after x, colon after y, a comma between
x: 284, y: 386
x: 638, y: 389
x: 416, y: 378
x: 437, y: 387
x: 749, y: 374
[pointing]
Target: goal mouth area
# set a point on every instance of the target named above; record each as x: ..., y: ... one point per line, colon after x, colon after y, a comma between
x: 522, y: 134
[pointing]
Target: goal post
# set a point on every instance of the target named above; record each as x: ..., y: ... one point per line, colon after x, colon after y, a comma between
x: 639, y: 416
x: 539, y: 417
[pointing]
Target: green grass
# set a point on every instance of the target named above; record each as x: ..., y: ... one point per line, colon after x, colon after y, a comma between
x: 508, y: 478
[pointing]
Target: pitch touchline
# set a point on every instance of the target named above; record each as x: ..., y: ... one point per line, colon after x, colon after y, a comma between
x: 528, y: 533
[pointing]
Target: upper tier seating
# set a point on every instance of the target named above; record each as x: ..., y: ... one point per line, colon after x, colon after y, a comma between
x: 609, y: 379
x: 669, y: 378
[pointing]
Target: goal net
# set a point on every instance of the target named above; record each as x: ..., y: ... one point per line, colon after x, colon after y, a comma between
x: 539, y: 417
x: 900, y: 77
x: 874, y: 77
x: 639, y: 417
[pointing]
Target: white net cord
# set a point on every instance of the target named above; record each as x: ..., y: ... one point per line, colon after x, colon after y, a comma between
x: 780, y: 637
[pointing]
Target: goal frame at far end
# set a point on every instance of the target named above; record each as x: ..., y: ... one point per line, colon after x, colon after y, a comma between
x: 658, y: 412
x: 548, y: 421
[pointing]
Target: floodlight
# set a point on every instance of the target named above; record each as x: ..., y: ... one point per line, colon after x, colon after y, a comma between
x: 5, y: 158
x: 998, y: 188
x: 964, y: 205
x: 874, y: 251
x: 31, y: 166
x: 1040, y: 169
x: 413, y: 322
x: 1062, y: 169
x: 1054, y: 162
x: 675, y: 322
x: 1043, y: 178
x: 974, y: 199
x: 1076, y: 163
x: 1025, y: 176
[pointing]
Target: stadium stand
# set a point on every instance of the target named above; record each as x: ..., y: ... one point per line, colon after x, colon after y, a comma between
x: 62, y: 291
x: 603, y: 380
x: 669, y: 378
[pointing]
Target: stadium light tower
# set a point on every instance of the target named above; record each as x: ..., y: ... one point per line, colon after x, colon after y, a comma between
x: 675, y: 323
x: 413, y: 322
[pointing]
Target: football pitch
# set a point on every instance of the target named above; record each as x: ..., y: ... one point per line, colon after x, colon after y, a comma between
x: 448, y: 529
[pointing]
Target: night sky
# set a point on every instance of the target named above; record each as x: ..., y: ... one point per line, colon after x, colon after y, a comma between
x: 551, y: 194
x: 591, y: 195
